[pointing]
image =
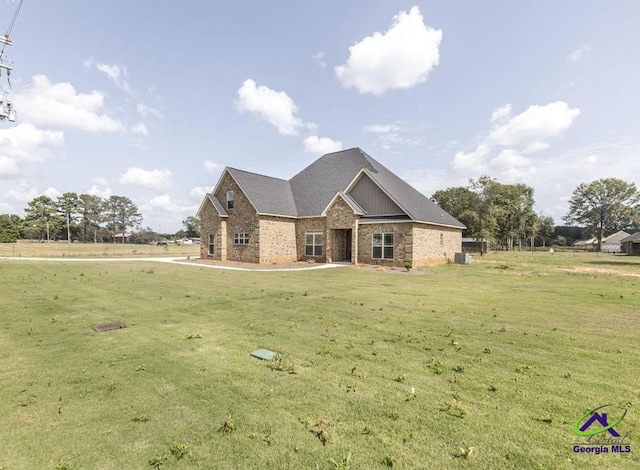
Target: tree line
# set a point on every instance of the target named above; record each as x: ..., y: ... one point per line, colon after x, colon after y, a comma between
x: 504, y: 213
x: 70, y: 216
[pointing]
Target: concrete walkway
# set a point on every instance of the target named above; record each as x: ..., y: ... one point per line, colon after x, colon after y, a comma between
x: 181, y: 260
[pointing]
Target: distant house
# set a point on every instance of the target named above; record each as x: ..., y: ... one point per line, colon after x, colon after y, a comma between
x: 631, y: 244
x: 475, y: 245
x: 344, y: 207
x: 589, y: 244
x: 121, y: 237
x: 610, y: 244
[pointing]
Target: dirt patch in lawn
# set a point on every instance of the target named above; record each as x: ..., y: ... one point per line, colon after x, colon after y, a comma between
x: 588, y: 270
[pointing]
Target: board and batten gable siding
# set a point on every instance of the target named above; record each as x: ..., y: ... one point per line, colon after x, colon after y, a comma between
x: 243, y: 218
x: 372, y: 199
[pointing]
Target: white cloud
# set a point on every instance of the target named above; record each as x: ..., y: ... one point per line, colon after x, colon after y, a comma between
x: 145, y: 111
x: 321, y: 145
x: 211, y: 167
x: 470, y: 161
x: 400, y: 58
x: 162, y: 203
x: 199, y: 192
x: 536, y: 147
x: 512, y: 166
x: 501, y: 113
x: 8, y: 167
x: 502, y: 152
x: 24, y: 192
x: 53, y: 193
x: 115, y: 73
x: 535, y: 125
x: 274, y: 107
x: 153, y: 179
x: 6, y: 208
x: 100, y: 188
x: 59, y: 106
x: 579, y: 53
x: 381, y: 128
x: 319, y: 59
x: 391, y: 136
x: 140, y: 129
x: 163, y: 210
x: 24, y: 143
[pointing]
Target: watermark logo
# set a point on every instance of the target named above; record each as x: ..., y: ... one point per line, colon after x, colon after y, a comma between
x: 600, y: 433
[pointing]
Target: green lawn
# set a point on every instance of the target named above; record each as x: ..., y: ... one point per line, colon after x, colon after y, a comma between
x: 377, y: 369
x: 62, y: 249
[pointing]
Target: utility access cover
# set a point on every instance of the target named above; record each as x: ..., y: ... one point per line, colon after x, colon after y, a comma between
x: 109, y: 326
x: 264, y: 354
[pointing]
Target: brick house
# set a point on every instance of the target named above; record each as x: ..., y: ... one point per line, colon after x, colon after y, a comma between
x: 344, y: 207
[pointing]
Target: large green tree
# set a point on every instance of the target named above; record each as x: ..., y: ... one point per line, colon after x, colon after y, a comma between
x: 41, y: 214
x: 513, y: 206
x: 68, y: 205
x: 472, y: 206
x: 92, y: 214
x: 191, y: 227
x: 121, y: 214
x: 546, y: 229
x: 492, y: 210
x: 10, y: 226
x: 604, y: 206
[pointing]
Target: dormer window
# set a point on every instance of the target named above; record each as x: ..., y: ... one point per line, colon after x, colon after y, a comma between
x: 229, y: 199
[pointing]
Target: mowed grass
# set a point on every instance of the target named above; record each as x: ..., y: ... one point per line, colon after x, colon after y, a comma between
x: 377, y: 369
x: 62, y: 249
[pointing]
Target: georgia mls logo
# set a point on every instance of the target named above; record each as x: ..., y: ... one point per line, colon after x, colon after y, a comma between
x: 600, y: 433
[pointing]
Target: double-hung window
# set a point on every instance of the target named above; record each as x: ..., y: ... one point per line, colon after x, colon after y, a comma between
x: 313, y: 243
x: 241, y: 238
x: 211, y: 244
x: 230, y: 199
x: 382, y: 246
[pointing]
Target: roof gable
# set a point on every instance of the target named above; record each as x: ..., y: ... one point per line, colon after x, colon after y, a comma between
x: 373, y: 199
x: 631, y: 238
x: 216, y: 205
x: 355, y: 207
x: 615, y: 237
x: 268, y: 195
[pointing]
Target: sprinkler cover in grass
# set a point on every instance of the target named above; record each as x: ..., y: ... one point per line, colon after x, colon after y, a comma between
x: 109, y: 326
x: 264, y: 354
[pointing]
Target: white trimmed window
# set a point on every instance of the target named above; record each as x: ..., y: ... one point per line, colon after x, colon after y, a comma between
x: 313, y: 243
x: 382, y: 246
x: 241, y: 238
x: 211, y: 243
x: 229, y: 199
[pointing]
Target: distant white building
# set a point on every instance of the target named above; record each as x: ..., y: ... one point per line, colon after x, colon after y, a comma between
x: 610, y: 244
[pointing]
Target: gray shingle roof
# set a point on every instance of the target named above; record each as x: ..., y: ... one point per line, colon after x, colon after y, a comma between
x: 218, y: 206
x: 268, y: 195
x: 309, y: 192
x: 631, y: 238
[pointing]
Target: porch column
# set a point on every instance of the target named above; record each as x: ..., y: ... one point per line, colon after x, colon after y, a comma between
x: 223, y: 240
x: 354, y: 243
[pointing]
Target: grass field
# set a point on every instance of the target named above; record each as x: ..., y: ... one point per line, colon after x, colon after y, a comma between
x: 91, y: 250
x: 481, y: 366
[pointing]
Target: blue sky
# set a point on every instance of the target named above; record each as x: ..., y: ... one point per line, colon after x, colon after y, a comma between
x: 152, y: 99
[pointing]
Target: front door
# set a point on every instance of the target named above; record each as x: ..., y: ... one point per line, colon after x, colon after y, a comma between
x: 347, y: 248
